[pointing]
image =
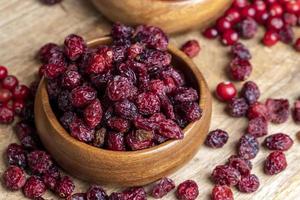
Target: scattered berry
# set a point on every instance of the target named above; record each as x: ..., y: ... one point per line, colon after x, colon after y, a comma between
x: 64, y: 187
x: 191, y: 48
x: 278, y: 110
x: 257, y: 127
x: 248, y: 184
x: 14, y: 178
x: 250, y: 92
x: 226, y: 91
x: 279, y: 141
x: 237, y: 107
x: 226, y: 175
x: 163, y: 187
x: 222, y: 192
x: 187, y: 190
x: 216, y: 138
x: 248, y: 147
x: 275, y: 163
x: 34, y: 187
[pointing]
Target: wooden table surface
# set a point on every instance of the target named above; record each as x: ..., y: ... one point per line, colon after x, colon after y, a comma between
x: 26, y: 24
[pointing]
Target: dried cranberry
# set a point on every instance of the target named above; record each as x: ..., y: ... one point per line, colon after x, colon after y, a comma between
x: 115, y: 141
x: 237, y: 107
x: 118, y: 124
x: 96, y: 192
x: 14, y: 178
x: 175, y: 75
x: 250, y: 92
x: 64, y: 187
x: 240, y: 69
x: 191, y: 48
x: 77, y: 196
x: 226, y: 175
x: 247, y: 28
x: 121, y: 31
x: 183, y: 94
x: 150, y: 123
x: 82, y: 96
x: 258, y: 127
x: 49, y: 181
x: 125, y: 109
x: 242, y: 165
x: 148, y: 103
x: 126, y: 70
x: 157, y: 86
x: 248, y: 184
x: 50, y: 2
x: 163, y: 187
x: 9, y: 82
x: 139, y: 139
x: 222, y: 192
x: 39, y: 161
x: 226, y: 91
x: 168, y: 109
x: 6, y: 115
x: 275, y: 163
x: 190, y: 111
x: 258, y: 110
x: 187, y: 190
x: 80, y: 131
x: 93, y: 113
x: 34, y: 187
x: 52, y: 71
x: 248, y: 147
x: 100, y: 62
x: 71, y: 79
x: 217, y: 138
x: 117, y: 196
x: 170, y: 129
x: 278, y: 110
x: 154, y: 59
x: 241, y: 51
x: 74, y: 46
x: 16, y: 155
x: 3, y: 72
x: 5, y: 95
x: 286, y: 34
x: 67, y: 118
x: 119, y: 88
x: 279, y: 141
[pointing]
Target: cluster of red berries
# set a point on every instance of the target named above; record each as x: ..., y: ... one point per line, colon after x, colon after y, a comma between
x: 241, y: 20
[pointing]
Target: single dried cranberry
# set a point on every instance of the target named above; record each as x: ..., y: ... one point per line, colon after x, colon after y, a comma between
x: 121, y: 31
x: 139, y: 139
x: 241, y: 51
x: 50, y: 2
x: 248, y: 147
x: 66, y: 119
x: 77, y: 196
x: 63, y: 101
x: 80, y: 131
x: 96, y: 192
x: 226, y: 175
x: 134, y: 50
x: 49, y: 181
x: 240, y: 69
x: 211, y: 33
x: 187, y: 190
x: 3, y: 72
x: 275, y: 163
x: 175, y: 75
x: 258, y: 110
x: 278, y: 109
x: 6, y: 115
x: 16, y: 155
x: 286, y: 34
x: 297, y: 44
x: 118, y: 124
x: 226, y: 91
x: 183, y: 94
x: 9, y: 82
x: 170, y: 129
x: 64, y: 187
x: 221, y: 192
x: 191, y: 48
x: 148, y: 103
x: 115, y: 141
x: 135, y: 193
x: 270, y: 38
x: 52, y: 71
x: 34, y: 187
x: 117, y: 196
x: 278, y: 141
x: 46, y: 52
x: 24, y: 129
x: 217, y: 138
x: 230, y: 37
x: 248, y: 184
x: 237, y: 107
x: 242, y: 165
x: 93, y: 113
x: 82, y: 96
x: 14, y: 178
x: 39, y: 161
x: 74, y: 46
x: 247, y: 28
x: 119, y: 88
x: 100, y: 62
x: 163, y: 187
x: 125, y: 109
x: 157, y: 86
x: 150, y: 123
x: 190, y: 111
x: 5, y: 95
x: 71, y: 79
x: 154, y: 59
x: 167, y: 107
x: 159, y: 139
x: 258, y: 127
x: 250, y: 92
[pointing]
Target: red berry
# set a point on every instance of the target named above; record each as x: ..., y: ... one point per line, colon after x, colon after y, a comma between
x: 270, y: 38
x: 5, y: 95
x: 52, y: 71
x: 34, y: 187
x: 187, y: 190
x: 82, y: 96
x: 248, y: 147
x: 191, y: 48
x: 96, y: 192
x: 290, y: 19
x: 240, y: 69
x: 116, y: 141
x: 148, y: 103
x: 21, y: 92
x: 247, y: 28
x: 169, y: 129
x: 81, y: 131
x: 237, y: 107
x: 279, y: 141
x: 71, y: 79
x: 39, y: 162
x: 250, y: 92
x: 242, y: 165
x: 93, y: 113
x: 240, y: 3
x: 6, y: 115
x: 279, y: 110
x: 292, y: 7
x: 14, y: 178
x: 248, y: 184
x: 74, y: 46
x: 259, y: 6
x: 261, y: 17
x: 211, y: 33
x: 3, y: 72
x: 137, y: 193
x: 258, y: 127
x: 275, y: 10
x: 16, y: 155
x: 226, y: 175
x: 10, y: 82
x: 223, y: 25
x: 258, y: 110
x: 241, y: 51
x: 216, y: 138
x: 221, y: 192
x: 64, y: 187
x: 163, y: 187
x: 275, y: 23
x: 230, y: 37
x: 18, y: 107
x: 139, y: 139
x: 286, y: 34
x: 275, y: 163
x: 100, y: 62
x: 226, y: 91
x: 233, y: 15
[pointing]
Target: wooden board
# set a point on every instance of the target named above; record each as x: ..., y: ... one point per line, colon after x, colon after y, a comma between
x: 26, y: 25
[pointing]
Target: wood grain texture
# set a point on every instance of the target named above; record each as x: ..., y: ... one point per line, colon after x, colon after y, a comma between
x: 171, y: 15
x: 26, y: 25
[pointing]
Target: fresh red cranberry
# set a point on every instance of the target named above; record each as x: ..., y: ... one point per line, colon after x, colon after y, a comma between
x: 230, y: 37
x: 275, y: 163
x: 237, y: 107
x: 6, y: 115
x: 211, y: 33
x: 286, y: 34
x: 50, y: 2
x: 223, y: 24
x: 163, y: 187
x: 18, y: 107
x: 275, y: 23
x: 82, y: 96
x: 270, y: 38
x: 262, y: 17
x: 139, y: 139
x: 242, y: 165
x: 116, y: 141
x: 81, y: 131
x: 247, y: 28
x: 10, y: 82
x: 240, y: 3
x: 64, y: 187
x: 279, y: 141
x: 240, y: 69
x: 187, y: 190
x: 217, y: 138
x: 221, y: 192
x: 5, y: 95
x: 77, y: 196
x: 259, y: 6
x: 16, y: 155
x: 248, y: 184
x: 74, y: 46
x: 93, y: 113
x: 34, y: 187
x: 276, y: 10
x: 191, y: 48
x: 3, y: 72
x: 14, y: 178
x: 250, y: 92
x: 258, y: 110
x: 241, y: 51
x: 279, y: 110
x: 297, y: 45
x: 258, y: 127
x: 248, y: 11
x: 226, y: 91
x: 233, y: 15
x: 39, y: 161
x: 226, y: 175
x: 248, y: 147
x: 292, y: 7
x: 96, y: 192
x: 21, y: 92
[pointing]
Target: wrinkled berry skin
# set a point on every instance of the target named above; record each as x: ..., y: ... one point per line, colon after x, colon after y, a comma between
x: 100, y: 62
x: 278, y: 141
x: 74, y: 46
x: 237, y: 107
x: 170, y: 129
x: 247, y: 28
x: 217, y: 138
x: 148, y: 103
x: 242, y: 165
x: 96, y: 193
x: 93, y: 113
x: 6, y: 115
x: 139, y: 139
x: 239, y: 50
x: 250, y: 92
x: 34, y: 187
x: 226, y: 175
x: 135, y: 193
x: 126, y: 109
x: 115, y: 141
x: 82, y: 96
x: 191, y: 48
x: 163, y: 187
x: 14, y: 178
x: 64, y: 187
x: 275, y: 163
x: 49, y: 180
x: 71, y: 79
x: 119, y: 88
x: 258, y: 127
x: 248, y: 184
x: 248, y: 147
x: 240, y: 69
x: 278, y: 110
x: 187, y: 190
x: 39, y: 161
x: 77, y: 196
x: 16, y: 155
x: 257, y: 110
x: 80, y: 131
x: 221, y: 192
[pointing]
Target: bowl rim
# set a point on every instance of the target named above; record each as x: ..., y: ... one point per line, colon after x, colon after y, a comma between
x: 152, y: 150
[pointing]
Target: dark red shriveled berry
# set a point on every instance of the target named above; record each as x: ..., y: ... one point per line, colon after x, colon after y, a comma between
x: 217, y: 138
x: 14, y: 178
x: 163, y: 187
x: 187, y: 190
x: 279, y: 141
x: 221, y: 192
x: 275, y: 163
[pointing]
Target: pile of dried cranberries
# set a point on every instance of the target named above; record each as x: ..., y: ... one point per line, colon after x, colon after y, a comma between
x: 123, y: 96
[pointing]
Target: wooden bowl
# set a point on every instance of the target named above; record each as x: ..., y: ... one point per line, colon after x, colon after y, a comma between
x: 131, y: 168
x: 170, y: 15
